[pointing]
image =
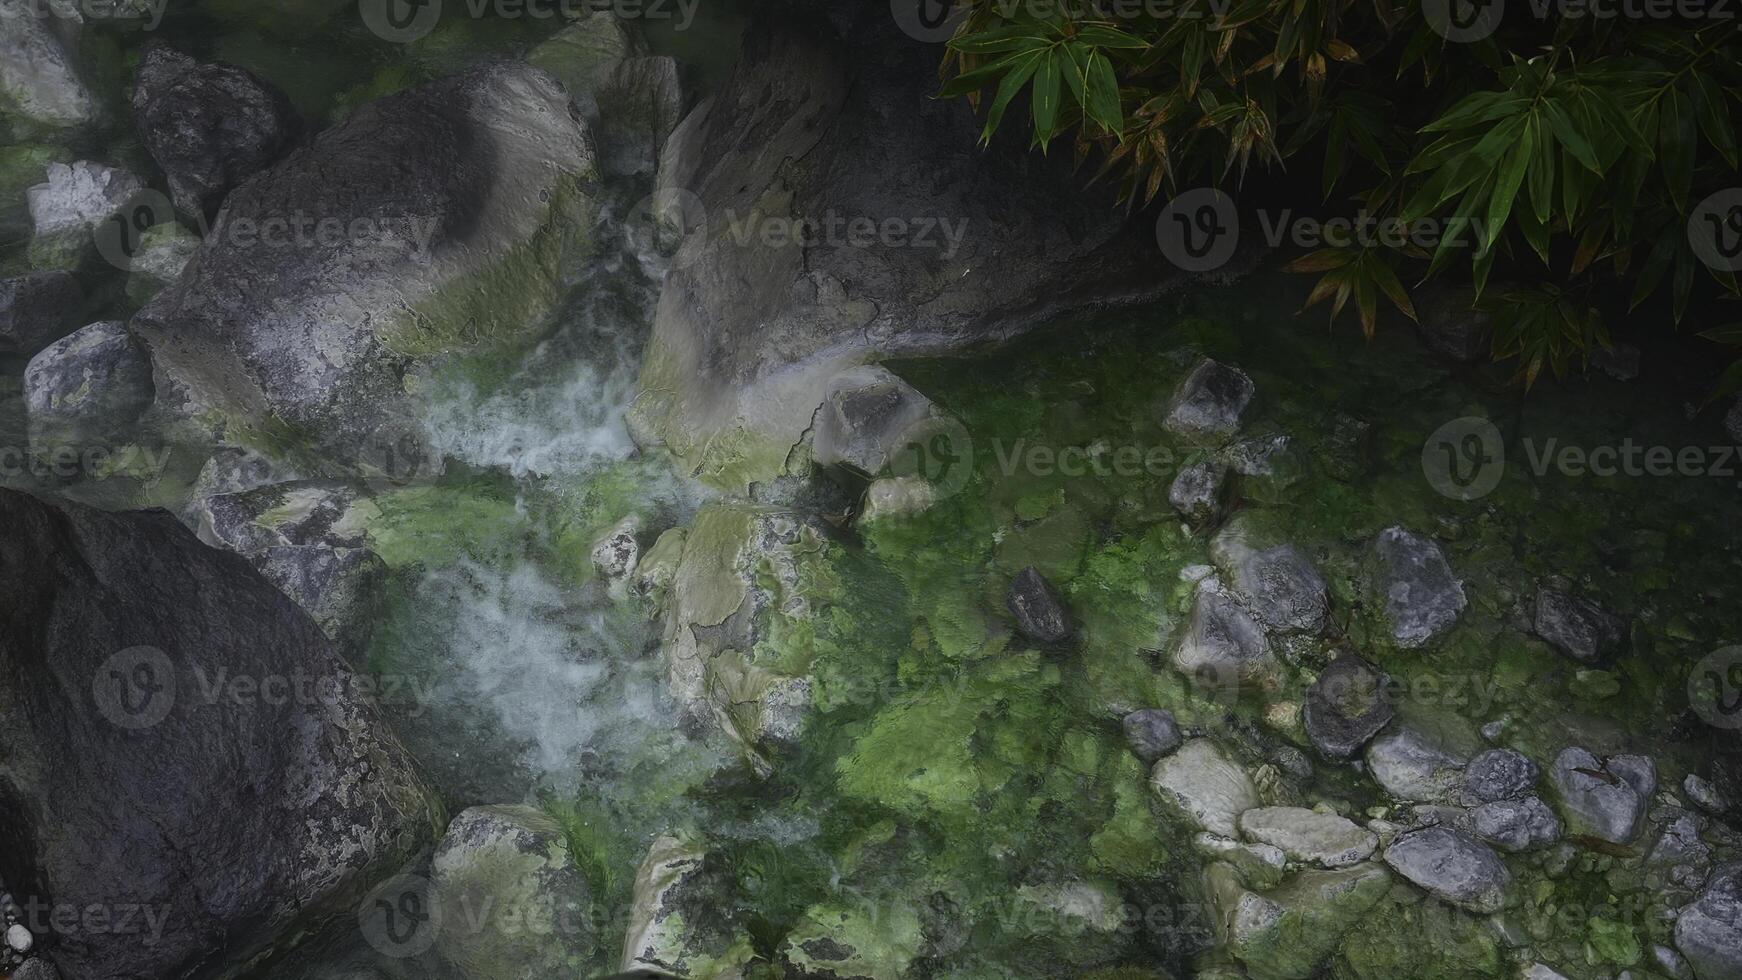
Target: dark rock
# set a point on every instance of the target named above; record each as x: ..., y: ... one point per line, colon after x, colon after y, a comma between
x: 342, y: 588
x: 1450, y: 327
x: 1452, y: 866
x: 91, y: 384
x: 865, y: 413
x: 638, y: 108
x: 1500, y: 774
x: 1224, y: 645
x: 36, y: 968
x: 1516, y: 825
x: 1151, y: 733
x: 1606, y: 799
x: 39, y: 67
x: 1202, y: 492
x: 159, y: 754
x: 1578, y: 627
x: 1210, y: 401
x: 1709, y: 932
x: 1414, y: 584
x: 461, y: 202
x: 38, y: 309
x: 209, y: 126
x: 1346, y: 707
x: 1040, y: 613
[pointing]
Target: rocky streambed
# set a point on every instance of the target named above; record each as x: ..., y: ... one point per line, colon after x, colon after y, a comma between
x: 554, y: 571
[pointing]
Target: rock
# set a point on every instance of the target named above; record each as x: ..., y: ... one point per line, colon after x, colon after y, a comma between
x: 639, y: 106
x: 614, y: 555
x: 853, y: 937
x: 1703, y: 794
x: 234, y: 469
x: 36, y: 969
x: 678, y: 922
x: 1671, y: 963
x: 162, y: 680
x: 1210, y: 401
x: 1537, y: 971
x: 447, y: 214
x: 1603, y: 799
x: 1346, y: 707
x: 1452, y: 866
x: 1205, y: 787
x: 896, y: 496
x: 164, y: 252
x: 1412, y: 767
x: 19, y: 939
x: 89, y: 385
x: 513, y: 902
x: 70, y: 205
x: 1451, y: 327
x: 1261, y: 866
x: 1516, y: 825
x: 1202, y: 492
x: 1291, y: 931
x: 1418, y: 593
x: 584, y: 56
x: 1224, y: 645
x: 209, y: 126
x: 1260, y: 456
x: 1620, y: 362
x: 38, y: 309
x: 1323, y: 839
x: 1577, y: 627
x: 849, y: 217
x: 39, y: 74
x: 342, y: 588
x: 865, y: 419
x: 1500, y: 774
x: 1279, y: 583
x: 1680, y: 846
x: 1151, y: 733
x: 1040, y: 612
x: 1709, y: 932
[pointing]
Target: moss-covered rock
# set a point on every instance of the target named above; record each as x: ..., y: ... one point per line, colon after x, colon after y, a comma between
x: 1288, y: 933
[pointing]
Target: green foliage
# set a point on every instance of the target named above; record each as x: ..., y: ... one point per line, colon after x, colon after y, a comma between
x: 1572, y: 149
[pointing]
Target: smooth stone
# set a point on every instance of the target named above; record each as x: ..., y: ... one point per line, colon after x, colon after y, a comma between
x: 19, y: 938
x: 1452, y: 866
x: 1324, y: 839
x: 1603, y: 799
x: 1413, y: 769
x: 1224, y: 645
x: 1151, y: 733
x: 1420, y: 596
x: 1210, y: 401
x: 92, y: 383
x: 1203, y: 785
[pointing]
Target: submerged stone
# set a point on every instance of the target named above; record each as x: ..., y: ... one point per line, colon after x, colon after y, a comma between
x: 1324, y: 839
x: 1500, y: 774
x: 1418, y: 593
x: 1516, y: 824
x: 39, y: 74
x: 1151, y: 733
x: 1414, y: 767
x: 1205, y: 787
x: 1578, y: 627
x: 1709, y: 932
x: 1346, y: 707
x: 1606, y: 799
x: 91, y: 384
x: 1210, y: 401
x: 865, y: 418
x: 1224, y: 646
x: 1452, y: 866
x: 1040, y: 612
x: 1201, y: 492
x: 1288, y: 933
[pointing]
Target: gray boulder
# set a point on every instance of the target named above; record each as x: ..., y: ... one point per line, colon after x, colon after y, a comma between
x: 1210, y: 401
x: 38, y: 309
x: 1452, y: 866
x: 1224, y: 646
x: 1324, y: 839
x: 341, y: 588
x: 1279, y: 584
x: 512, y: 901
x: 440, y: 219
x: 1516, y: 825
x: 1346, y: 707
x: 1500, y: 774
x: 678, y: 921
x: 1201, y: 492
x: 849, y: 216
x: 1709, y: 932
x: 1578, y: 627
x: 1417, y: 592
x: 40, y: 80
x: 1040, y: 612
x: 1606, y: 799
x: 161, y: 685
x: 1151, y: 733
x: 70, y: 205
x: 1205, y: 787
x: 1412, y: 766
x: 209, y: 126
x: 865, y: 415
x: 91, y: 384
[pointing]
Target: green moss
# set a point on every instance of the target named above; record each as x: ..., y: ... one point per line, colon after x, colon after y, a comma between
x: 1407, y: 937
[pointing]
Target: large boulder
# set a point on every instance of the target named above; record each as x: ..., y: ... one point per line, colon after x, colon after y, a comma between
x: 40, y: 82
x: 1201, y: 784
x: 1346, y: 707
x: 1419, y: 596
x: 1452, y: 866
x: 438, y: 219
x: 38, y: 309
x: 153, y: 685
x: 90, y: 384
x: 1606, y: 799
x: 209, y: 126
x: 847, y: 215
x: 1289, y: 932
x: 512, y: 901
x: 1709, y: 932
